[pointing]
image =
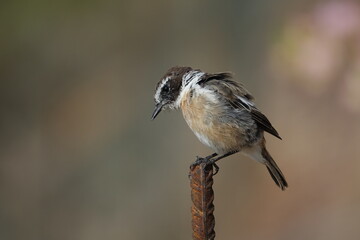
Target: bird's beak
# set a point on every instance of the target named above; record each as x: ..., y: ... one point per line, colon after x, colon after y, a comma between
x: 157, y: 110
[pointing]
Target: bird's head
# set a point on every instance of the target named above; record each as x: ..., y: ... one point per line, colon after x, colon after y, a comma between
x: 168, y: 89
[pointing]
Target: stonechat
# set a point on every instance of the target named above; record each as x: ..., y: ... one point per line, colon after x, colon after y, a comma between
x: 221, y: 113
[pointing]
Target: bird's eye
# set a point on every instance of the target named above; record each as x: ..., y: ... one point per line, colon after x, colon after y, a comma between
x: 166, y: 88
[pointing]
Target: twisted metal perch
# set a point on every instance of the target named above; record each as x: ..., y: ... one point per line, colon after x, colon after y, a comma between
x: 202, y: 195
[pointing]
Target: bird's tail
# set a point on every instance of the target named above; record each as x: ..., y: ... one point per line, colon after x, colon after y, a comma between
x: 274, y: 170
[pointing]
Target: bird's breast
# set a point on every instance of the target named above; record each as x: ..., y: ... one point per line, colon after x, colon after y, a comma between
x: 204, y: 113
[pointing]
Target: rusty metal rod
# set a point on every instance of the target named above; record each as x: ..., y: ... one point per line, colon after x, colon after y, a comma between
x: 202, y: 196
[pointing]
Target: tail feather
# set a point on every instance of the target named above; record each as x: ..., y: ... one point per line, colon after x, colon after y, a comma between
x: 274, y: 170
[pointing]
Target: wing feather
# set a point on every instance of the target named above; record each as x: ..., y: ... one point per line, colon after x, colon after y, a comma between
x: 238, y: 97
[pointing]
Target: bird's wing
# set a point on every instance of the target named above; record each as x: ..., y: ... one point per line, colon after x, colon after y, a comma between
x: 238, y: 97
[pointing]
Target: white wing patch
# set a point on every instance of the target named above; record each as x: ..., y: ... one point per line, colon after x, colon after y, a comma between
x: 246, y: 103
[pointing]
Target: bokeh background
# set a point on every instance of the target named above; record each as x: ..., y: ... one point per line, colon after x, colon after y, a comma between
x: 80, y: 158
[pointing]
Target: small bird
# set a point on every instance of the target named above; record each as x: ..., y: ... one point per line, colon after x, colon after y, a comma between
x: 221, y: 113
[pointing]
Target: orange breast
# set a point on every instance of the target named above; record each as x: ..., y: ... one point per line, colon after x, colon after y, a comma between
x: 202, y: 113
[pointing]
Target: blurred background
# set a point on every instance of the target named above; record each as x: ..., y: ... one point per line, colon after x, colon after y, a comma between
x: 80, y: 158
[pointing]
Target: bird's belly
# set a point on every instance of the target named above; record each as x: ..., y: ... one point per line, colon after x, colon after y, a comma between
x: 207, y: 122
x: 221, y: 138
x: 220, y: 144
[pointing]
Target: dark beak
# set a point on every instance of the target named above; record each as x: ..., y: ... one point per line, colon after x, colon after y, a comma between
x: 157, y: 110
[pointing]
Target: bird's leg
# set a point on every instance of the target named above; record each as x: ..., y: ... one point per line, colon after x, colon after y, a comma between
x: 211, y: 160
x: 216, y: 167
x: 200, y: 160
x: 208, y: 158
x: 214, y: 160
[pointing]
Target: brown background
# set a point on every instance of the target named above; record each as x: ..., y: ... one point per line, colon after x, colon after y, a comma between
x: 80, y: 158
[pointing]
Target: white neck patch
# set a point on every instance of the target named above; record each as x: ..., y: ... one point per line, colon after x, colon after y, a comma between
x: 188, y: 81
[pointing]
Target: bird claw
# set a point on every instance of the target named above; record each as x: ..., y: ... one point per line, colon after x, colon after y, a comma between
x: 207, y: 161
x: 216, y: 167
x: 198, y: 161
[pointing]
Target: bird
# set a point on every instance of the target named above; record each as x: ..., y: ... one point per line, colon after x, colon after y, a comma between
x: 221, y: 113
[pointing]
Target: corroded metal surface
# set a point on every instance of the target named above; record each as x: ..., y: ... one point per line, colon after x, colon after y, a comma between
x: 202, y: 195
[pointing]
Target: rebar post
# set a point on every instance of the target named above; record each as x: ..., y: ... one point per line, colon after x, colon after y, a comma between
x: 202, y: 195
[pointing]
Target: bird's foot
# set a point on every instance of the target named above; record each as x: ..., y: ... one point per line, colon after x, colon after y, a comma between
x: 198, y: 161
x: 216, y: 167
x: 207, y: 160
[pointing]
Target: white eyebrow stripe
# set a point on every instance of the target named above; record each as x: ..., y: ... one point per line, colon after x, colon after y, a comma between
x: 158, y: 90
